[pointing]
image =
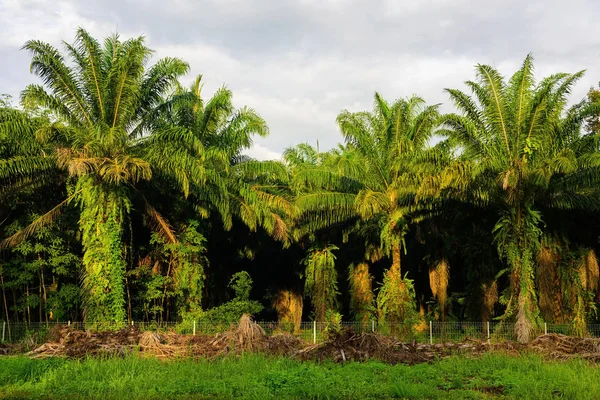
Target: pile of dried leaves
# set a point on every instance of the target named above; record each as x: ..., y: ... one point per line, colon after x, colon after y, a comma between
x: 564, y: 347
x: 250, y: 337
x: 246, y: 337
x: 74, y: 343
x: 350, y: 346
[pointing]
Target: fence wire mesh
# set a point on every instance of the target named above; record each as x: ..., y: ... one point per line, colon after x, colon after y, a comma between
x: 310, y: 331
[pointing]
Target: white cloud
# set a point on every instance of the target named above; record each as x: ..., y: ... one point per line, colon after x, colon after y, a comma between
x: 262, y: 153
x: 300, y: 62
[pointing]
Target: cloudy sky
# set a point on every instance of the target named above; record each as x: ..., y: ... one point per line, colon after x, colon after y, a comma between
x: 299, y: 62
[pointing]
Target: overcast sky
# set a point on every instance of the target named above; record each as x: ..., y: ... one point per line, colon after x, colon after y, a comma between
x: 299, y: 62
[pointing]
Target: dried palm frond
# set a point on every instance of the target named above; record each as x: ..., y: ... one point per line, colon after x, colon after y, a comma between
x: 588, y: 271
x: 160, y: 225
x: 40, y: 222
x: 361, y: 292
x: 439, y: 276
x: 548, y: 284
x: 288, y: 305
x: 490, y: 298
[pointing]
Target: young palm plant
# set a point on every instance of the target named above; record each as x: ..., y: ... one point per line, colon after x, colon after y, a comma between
x: 520, y: 152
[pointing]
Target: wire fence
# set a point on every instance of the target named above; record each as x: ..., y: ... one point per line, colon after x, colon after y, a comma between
x: 310, y: 331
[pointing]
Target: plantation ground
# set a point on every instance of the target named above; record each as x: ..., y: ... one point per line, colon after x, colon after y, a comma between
x: 255, y: 377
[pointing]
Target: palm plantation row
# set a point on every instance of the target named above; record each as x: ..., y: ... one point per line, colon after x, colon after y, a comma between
x: 128, y: 196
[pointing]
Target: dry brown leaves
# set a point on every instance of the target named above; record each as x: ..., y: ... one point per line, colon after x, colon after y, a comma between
x: 250, y: 337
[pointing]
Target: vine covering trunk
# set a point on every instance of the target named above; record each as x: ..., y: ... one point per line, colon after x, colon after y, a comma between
x: 101, y: 223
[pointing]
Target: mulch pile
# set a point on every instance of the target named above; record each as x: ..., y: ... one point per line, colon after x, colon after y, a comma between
x: 250, y: 337
x: 246, y: 337
x: 350, y: 346
x: 74, y: 343
x: 563, y: 347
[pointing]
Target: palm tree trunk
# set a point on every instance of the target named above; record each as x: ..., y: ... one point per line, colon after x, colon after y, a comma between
x: 396, y: 258
x: 524, y: 284
x: 103, y: 285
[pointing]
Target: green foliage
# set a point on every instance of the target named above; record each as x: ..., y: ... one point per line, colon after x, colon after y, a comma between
x: 396, y: 304
x: 321, y: 280
x: 46, y: 262
x: 241, y: 283
x: 333, y: 324
x: 231, y: 311
x: 116, y: 177
x: 101, y: 222
x: 227, y: 313
x: 520, y: 151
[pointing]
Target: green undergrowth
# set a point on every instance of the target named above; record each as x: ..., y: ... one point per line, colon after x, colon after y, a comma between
x: 257, y: 377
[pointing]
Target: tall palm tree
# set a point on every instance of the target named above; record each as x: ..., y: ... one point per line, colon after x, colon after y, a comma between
x: 99, y: 95
x: 521, y: 152
x: 251, y: 191
x: 378, y: 184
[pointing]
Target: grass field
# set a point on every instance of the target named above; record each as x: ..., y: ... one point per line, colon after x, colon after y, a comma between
x: 256, y: 377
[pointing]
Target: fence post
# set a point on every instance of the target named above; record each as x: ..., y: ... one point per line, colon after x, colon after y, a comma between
x: 194, y: 328
x: 430, y: 332
x: 545, y: 328
x: 131, y: 322
x: 3, y: 329
x: 314, y: 332
x: 373, y: 326
x: 69, y: 323
x: 488, y: 332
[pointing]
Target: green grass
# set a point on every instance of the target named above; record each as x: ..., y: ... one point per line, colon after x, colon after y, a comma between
x: 256, y: 377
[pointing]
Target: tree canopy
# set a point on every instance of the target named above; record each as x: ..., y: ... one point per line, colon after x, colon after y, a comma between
x: 128, y: 195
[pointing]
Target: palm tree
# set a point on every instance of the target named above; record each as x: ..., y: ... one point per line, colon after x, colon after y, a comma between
x: 236, y: 186
x: 99, y: 96
x: 376, y: 182
x: 520, y: 153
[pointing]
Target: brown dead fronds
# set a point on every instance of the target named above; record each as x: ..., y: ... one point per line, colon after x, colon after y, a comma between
x: 288, y: 305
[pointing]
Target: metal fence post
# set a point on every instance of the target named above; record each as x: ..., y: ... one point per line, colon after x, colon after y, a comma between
x: 488, y: 331
x: 314, y: 332
x: 430, y: 332
x: 373, y: 326
x: 3, y: 329
x: 194, y: 328
x: 545, y: 328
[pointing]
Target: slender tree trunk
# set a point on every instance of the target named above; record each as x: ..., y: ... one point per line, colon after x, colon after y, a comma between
x: 7, y: 319
x: 45, y: 294
x: 28, y: 307
x: 129, y: 313
x: 16, y: 312
x: 164, y: 310
x: 40, y: 307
